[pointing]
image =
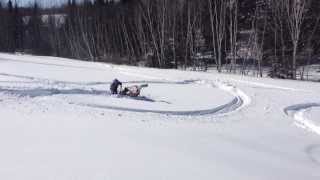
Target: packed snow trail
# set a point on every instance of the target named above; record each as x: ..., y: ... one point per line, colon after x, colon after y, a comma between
x: 240, y: 100
x: 298, y: 113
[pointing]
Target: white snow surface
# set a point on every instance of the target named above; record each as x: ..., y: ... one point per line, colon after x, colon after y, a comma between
x: 59, y: 121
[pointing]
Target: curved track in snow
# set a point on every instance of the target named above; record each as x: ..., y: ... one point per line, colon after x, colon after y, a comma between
x: 298, y: 113
x: 239, y: 101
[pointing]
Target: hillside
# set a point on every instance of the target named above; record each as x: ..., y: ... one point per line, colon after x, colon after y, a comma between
x: 59, y: 121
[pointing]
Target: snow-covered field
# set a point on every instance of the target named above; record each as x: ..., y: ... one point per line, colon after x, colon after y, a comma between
x: 58, y: 121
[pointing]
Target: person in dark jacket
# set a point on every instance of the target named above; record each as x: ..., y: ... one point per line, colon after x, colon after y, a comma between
x: 114, y: 86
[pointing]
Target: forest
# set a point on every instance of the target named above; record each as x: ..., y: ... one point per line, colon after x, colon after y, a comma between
x: 276, y: 37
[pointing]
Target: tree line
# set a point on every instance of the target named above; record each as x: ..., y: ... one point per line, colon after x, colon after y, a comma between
x: 236, y: 36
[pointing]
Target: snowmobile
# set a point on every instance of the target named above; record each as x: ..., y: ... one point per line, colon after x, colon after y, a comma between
x: 132, y: 91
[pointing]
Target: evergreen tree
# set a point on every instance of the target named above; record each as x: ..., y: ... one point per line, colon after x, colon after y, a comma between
x: 10, y: 28
x: 2, y: 28
x: 34, y: 30
x: 18, y: 28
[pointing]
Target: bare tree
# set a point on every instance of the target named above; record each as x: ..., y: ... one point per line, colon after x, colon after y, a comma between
x: 233, y: 31
x: 295, y: 15
x: 218, y: 11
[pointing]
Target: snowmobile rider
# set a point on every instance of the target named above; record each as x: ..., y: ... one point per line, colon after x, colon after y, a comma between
x: 114, y: 86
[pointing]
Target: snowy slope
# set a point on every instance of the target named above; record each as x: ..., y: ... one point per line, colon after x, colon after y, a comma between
x: 58, y: 121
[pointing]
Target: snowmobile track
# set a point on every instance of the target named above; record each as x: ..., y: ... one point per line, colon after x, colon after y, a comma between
x: 297, y: 112
x: 239, y: 101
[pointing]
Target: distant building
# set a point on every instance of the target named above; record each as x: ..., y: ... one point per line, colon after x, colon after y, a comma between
x: 56, y: 19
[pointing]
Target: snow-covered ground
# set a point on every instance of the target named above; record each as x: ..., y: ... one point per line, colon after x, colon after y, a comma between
x: 59, y: 121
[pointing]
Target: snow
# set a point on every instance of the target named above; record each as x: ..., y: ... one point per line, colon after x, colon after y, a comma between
x: 58, y: 121
x: 314, y: 114
x: 306, y: 116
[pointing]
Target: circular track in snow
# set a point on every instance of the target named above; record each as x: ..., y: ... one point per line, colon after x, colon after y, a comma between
x: 299, y: 111
x: 238, y: 101
x: 198, y: 100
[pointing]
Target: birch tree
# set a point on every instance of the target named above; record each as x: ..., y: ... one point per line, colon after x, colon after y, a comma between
x: 295, y: 10
x: 233, y: 30
x: 218, y: 11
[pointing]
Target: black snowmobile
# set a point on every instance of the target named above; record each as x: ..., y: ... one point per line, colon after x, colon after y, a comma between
x: 131, y: 91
